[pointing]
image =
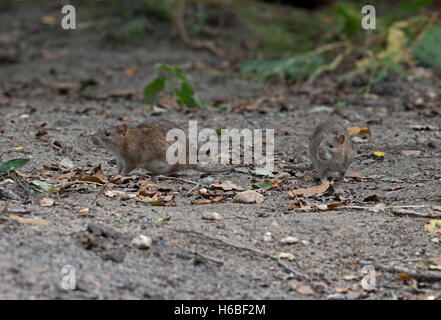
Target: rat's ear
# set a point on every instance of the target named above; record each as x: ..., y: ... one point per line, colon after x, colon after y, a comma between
x: 123, y: 129
x: 341, y: 139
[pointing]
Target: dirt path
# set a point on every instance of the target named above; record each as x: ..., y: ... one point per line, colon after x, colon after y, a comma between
x: 194, y: 258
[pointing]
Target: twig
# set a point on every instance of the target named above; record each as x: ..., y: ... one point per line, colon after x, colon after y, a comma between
x: 403, y: 212
x: 418, y: 275
x: 179, y: 179
x: 219, y: 262
x: 296, y: 273
x: 98, y: 194
x: 198, y: 44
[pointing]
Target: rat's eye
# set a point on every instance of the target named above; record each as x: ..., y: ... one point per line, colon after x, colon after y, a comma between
x: 331, y: 145
x: 107, y: 133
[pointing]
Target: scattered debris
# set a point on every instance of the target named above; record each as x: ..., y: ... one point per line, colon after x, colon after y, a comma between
x: 142, y: 242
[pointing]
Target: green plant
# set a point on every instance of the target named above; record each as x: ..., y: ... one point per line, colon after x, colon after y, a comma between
x: 183, y: 90
x: 14, y: 164
x: 301, y: 66
x: 428, y: 50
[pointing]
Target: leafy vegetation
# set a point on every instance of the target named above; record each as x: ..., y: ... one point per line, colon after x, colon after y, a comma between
x: 182, y: 89
x: 14, y: 164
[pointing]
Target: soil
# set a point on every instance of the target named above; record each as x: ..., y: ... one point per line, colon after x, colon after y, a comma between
x: 41, y: 67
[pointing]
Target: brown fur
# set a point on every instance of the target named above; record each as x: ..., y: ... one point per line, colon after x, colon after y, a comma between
x: 326, y: 159
x: 144, y: 147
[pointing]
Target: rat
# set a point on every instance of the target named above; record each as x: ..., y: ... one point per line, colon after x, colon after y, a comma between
x: 146, y: 147
x: 330, y: 149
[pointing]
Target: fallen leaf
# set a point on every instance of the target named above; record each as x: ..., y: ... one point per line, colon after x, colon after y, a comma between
x: 305, y: 290
x: 130, y: 71
x: 404, y: 277
x: 210, y: 201
x: 92, y: 179
x: 285, y: 255
x: 48, y: 19
x: 372, y: 198
x: 360, y: 131
x: 262, y: 172
x: 35, y: 221
x: 113, y: 193
x: 341, y: 290
x: 378, y: 154
x: 407, y: 153
x: 164, y: 219
x: 84, y: 211
x: 309, y: 192
x: 46, y: 202
x: 128, y: 93
x: 354, y: 174
x: 249, y: 196
x: 266, y: 185
x: 350, y: 277
x: 226, y: 186
x: 434, y: 225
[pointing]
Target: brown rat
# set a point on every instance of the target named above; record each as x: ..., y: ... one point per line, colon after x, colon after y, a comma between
x: 330, y: 149
x: 145, y: 147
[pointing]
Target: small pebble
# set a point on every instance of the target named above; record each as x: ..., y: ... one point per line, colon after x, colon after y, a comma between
x: 211, y: 216
x: 289, y: 240
x: 336, y: 296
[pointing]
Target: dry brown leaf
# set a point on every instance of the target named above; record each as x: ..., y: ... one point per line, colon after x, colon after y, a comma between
x: 127, y: 93
x: 350, y: 277
x: 168, y: 102
x: 354, y: 174
x: 360, y: 131
x: 35, y: 221
x: 249, y: 196
x: 407, y: 153
x: 92, y: 179
x: 226, y: 186
x: 404, y: 277
x: 372, y: 198
x: 341, y: 290
x: 210, y: 201
x: 309, y: 192
x: 130, y: 71
x: 113, y: 193
x: 305, y: 290
x: 434, y: 225
x: 46, y: 202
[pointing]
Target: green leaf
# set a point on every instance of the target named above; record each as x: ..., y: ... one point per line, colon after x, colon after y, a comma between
x: 186, y: 96
x: 174, y: 71
x: 48, y: 187
x: 428, y: 50
x: 14, y: 164
x: 152, y: 90
x: 265, y: 185
x: 433, y: 267
x: 386, y: 178
x: 242, y: 170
